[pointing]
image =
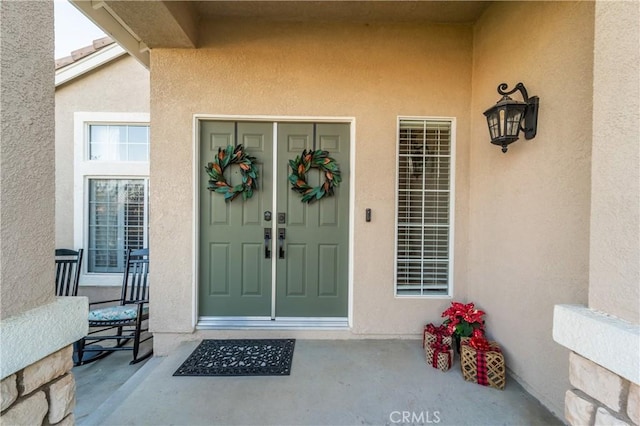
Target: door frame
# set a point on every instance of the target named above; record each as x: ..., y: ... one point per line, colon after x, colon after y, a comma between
x: 196, y: 321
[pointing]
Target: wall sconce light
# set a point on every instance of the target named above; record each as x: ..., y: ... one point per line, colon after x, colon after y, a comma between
x: 506, y: 116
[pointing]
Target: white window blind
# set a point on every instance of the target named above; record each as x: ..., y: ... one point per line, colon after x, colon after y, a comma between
x: 117, y: 222
x: 424, y: 214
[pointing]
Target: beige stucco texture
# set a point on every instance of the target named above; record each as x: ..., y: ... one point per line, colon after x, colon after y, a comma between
x: 529, y: 208
x: 33, y: 323
x: 615, y: 203
x: 26, y: 150
x: 373, y: 73
x: 121, y: 85
x: 522, y: 224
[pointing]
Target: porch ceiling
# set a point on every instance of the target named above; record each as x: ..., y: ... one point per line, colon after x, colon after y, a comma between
x: 142, y: 25
x: 347, y: 11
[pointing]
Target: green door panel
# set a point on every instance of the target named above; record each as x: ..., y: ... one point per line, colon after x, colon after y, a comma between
x: 235, y: 277
x: 312, y: 279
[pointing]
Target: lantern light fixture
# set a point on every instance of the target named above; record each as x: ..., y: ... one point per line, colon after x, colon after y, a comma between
x: 507, y: 117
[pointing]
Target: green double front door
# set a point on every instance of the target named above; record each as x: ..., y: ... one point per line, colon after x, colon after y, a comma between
x: 271, y: 255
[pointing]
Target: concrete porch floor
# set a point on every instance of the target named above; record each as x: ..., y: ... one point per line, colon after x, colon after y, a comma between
x: 332, y: 382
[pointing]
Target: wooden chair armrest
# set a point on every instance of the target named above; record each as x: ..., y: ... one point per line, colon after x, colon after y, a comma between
x: 105, y: 301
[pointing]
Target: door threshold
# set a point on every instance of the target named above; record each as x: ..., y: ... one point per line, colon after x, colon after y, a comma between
x: 284, y: 323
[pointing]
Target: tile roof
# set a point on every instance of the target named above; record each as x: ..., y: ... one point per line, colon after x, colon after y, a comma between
x: 78, y: 54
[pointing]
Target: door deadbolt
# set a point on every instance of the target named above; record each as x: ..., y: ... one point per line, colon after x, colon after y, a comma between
x: 267, y: 216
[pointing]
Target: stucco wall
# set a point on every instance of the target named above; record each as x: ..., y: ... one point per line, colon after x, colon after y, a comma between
x: 371, y: 72
x: 26, y: 172
x: 33, y: 323
x: 121, y: 85
x: 614, y: 280
x: 529, y: 208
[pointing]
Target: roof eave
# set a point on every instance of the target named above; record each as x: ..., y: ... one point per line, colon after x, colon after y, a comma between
x: 88, y: 63
x: 114, y: 27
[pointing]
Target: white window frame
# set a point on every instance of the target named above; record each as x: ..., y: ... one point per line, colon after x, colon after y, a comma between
x: 85, y: 169
x: 452, y: 197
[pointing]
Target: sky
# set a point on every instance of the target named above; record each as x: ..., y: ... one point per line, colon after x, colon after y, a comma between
x: 72, y: 29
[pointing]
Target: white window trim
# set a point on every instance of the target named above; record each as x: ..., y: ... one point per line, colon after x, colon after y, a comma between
x: 452, y: 208
x: 84, y: 169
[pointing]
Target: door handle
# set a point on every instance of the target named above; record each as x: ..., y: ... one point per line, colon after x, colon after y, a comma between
x: 267, y: 243
x: 281, y: 236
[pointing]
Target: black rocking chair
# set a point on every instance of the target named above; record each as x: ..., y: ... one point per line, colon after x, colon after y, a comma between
x: 68, y: 264
x: 124, y: 321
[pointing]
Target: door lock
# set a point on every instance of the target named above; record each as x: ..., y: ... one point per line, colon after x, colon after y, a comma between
x: 267, y: 216
x: 282, y: 218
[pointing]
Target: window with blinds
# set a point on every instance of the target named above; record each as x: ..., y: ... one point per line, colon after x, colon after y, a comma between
x: 424, y: 210
x: 117, y: 222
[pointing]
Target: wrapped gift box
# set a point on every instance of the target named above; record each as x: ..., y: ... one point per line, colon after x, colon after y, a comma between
x: 435, y: 334
x: 439, y: 356
x: 482, y: 362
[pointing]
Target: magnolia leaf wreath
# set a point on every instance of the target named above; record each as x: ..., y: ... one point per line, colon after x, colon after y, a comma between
x: 314, y: 159
x: 226, y: 157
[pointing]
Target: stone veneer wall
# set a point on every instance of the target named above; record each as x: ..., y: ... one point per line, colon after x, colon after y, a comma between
x: 42, y: 393
x: 599, y: 396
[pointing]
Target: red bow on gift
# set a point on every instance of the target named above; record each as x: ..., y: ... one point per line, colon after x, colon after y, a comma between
x: 477, y: 332
x: 440, y: 330
x: 480, y: 343
x: 439, y: 348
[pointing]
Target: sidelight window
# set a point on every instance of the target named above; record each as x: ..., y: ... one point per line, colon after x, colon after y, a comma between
x: 424, y: 210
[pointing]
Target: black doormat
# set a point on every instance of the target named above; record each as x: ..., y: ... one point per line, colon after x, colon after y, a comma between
x: 252, y: 357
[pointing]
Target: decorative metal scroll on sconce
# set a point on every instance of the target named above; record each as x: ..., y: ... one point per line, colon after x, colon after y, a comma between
x: 507, y: 117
